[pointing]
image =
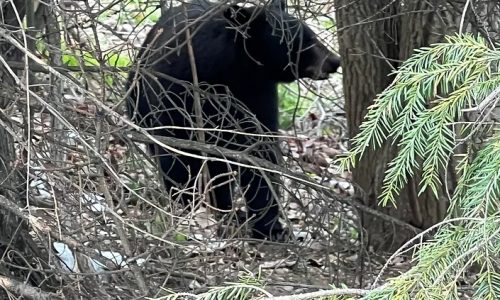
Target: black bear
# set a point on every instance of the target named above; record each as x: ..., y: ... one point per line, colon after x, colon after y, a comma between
x: 231, y: 58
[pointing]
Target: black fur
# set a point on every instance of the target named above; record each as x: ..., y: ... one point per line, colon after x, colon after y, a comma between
x: 240, y: 53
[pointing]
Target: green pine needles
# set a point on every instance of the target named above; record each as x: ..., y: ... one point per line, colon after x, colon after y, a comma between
x: 421, y: 110
x: 430, y: 91
x: 460, y: 243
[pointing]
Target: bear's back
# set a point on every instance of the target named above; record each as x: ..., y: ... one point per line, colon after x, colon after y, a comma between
x: 165, y: 48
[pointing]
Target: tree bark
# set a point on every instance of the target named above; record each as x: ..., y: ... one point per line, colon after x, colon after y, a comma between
x: 372, y: 38
x: 368, y: 47
x: 14, y: 233
x: 11, y: 179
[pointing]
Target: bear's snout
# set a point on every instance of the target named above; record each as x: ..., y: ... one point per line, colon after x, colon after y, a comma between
x: 330, y: 65
x: 324, y: 65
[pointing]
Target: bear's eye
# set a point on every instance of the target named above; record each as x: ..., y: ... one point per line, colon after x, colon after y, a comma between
x: 307, y: 46
x: 306, y: 42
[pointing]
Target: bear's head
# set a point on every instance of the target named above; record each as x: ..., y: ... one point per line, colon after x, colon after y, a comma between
x: 283, y: 47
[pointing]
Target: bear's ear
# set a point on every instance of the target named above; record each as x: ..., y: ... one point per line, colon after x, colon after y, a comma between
x: 237, y: 14
x: 278, y: 5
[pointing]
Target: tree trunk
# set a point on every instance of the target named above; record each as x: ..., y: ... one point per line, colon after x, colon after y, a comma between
x: 372, y: 40
x: 11, y: 186
x: 14, y: 233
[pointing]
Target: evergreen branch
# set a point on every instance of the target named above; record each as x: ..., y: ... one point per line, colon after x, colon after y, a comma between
x: 488, y: 283
x: 405, y: 163
x: 439, y: 148
x: 432, y: 90
x: 454, y: 75
x: 478, y: 191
